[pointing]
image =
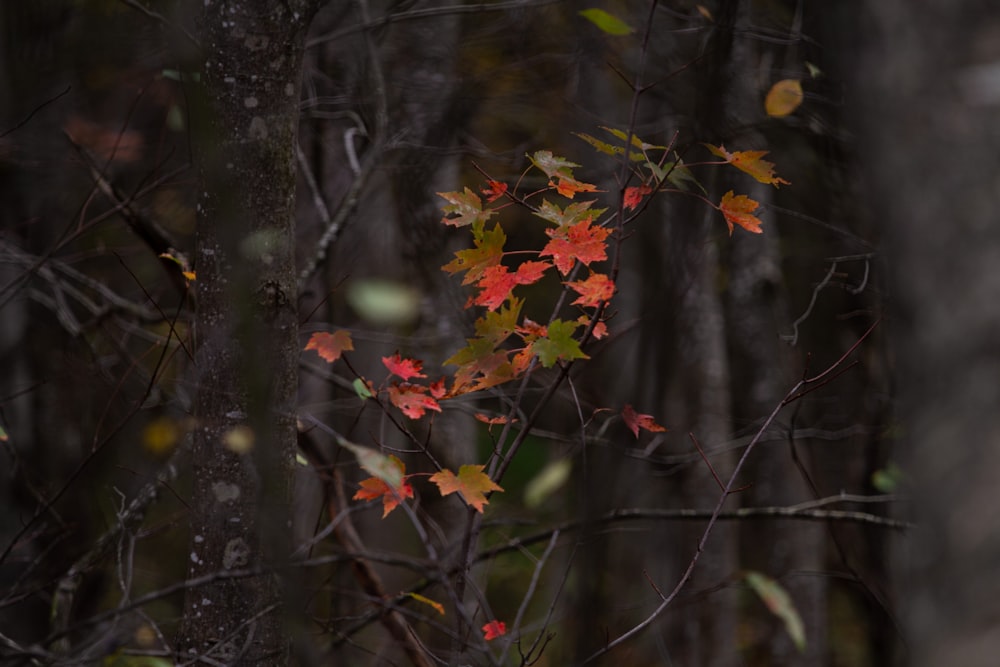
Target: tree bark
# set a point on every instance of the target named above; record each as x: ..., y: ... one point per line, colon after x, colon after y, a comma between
x: 245, y: 123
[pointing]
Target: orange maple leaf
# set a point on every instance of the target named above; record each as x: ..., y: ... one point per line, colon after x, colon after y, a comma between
x: 751, y: 163
x: 635, y: 421
x: 412, y: 400
x: 581, y: 241
x: 494, y: 629
x: 374, y: 488
x: 739, y: 210
x: 568, y: 187
x: 404, y: 368
x: 330, y: 346
x: 471, y: 482
x: 633, y: 196
x: 595, y: 289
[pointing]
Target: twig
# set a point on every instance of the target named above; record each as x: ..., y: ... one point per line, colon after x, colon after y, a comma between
x: 794, y: 391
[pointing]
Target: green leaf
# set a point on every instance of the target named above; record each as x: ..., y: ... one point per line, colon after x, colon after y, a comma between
x: 377, y: 464
x: 361, y: 389
x: 606, y: 22
x: 547, y: 482
x: 558, y: 344
x: 888, y: 479
x: 384, y: 302
x: 779, y: 603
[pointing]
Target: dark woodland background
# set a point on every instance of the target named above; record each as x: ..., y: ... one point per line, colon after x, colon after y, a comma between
x: 891, y: 217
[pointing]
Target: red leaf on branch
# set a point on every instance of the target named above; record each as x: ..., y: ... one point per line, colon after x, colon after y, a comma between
x: 437, y: 388
x: 412, y: 400
x: 498, y: 282
x: 581, y: 241
x: 330, y: 346
x: 471, y: 482
x: 633, y: 196
x: 495, y: 190
x: 600, y: 329
x: 739, y: 210
x: 635, y: 421
x: 494, y: 629
x: 404, y: 368
x: 492, y: 421
x: 595, y: 289
x: 374, y: 488
x: 751, y: 163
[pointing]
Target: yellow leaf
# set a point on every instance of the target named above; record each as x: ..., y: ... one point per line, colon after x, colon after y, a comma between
x: 783, y: 98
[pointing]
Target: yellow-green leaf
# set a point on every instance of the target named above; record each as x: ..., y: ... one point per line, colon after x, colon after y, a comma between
x: 779, y: 603
x: 606, y: 22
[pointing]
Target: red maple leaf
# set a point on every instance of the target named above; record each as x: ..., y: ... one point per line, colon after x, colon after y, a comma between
x: 739, y: 210
x: 495, y: 190
x: 494, y: 629
x: 404, y: 368
x: 488, y: 251
x: 635, y: 421
x: 633, y: 196
x: 595, y: 289
x: 412, y: 400
x: 470, y: 481
x: 498, y: 282
x: 600, y: 329
x: 330, y: 346
x: 581, y: 241
x: 374, y: 488
x: 437, y: 388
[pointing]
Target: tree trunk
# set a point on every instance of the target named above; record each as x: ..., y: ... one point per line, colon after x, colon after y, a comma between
x: 932, y: 139
x: 245, y: 124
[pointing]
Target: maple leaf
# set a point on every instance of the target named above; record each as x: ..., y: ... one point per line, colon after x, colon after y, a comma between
x: 498, y: 325
x: 479, y: 358
x: 635, y: 421
x: 465, y: 208
x: 558, y: 343
x: 497, y: 282
x: 568, y: 187
x: 437, y: 388
x: 488, y: 251
x: 471, y: 482
x: 374, y: 488
x: 494, y: 629
x: 330, y: 346
x: 595, y: 289
x: 600, y: 329
x: 633, y: 196
x: 492, y: 421
x: 574, y: 212
x: 560, y: 173
x: 751, y: 163
x: 495, y: 190
x: 404, y: 368
x: 581, y: 241
x: 412, y: 400
x: 739, y: 210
